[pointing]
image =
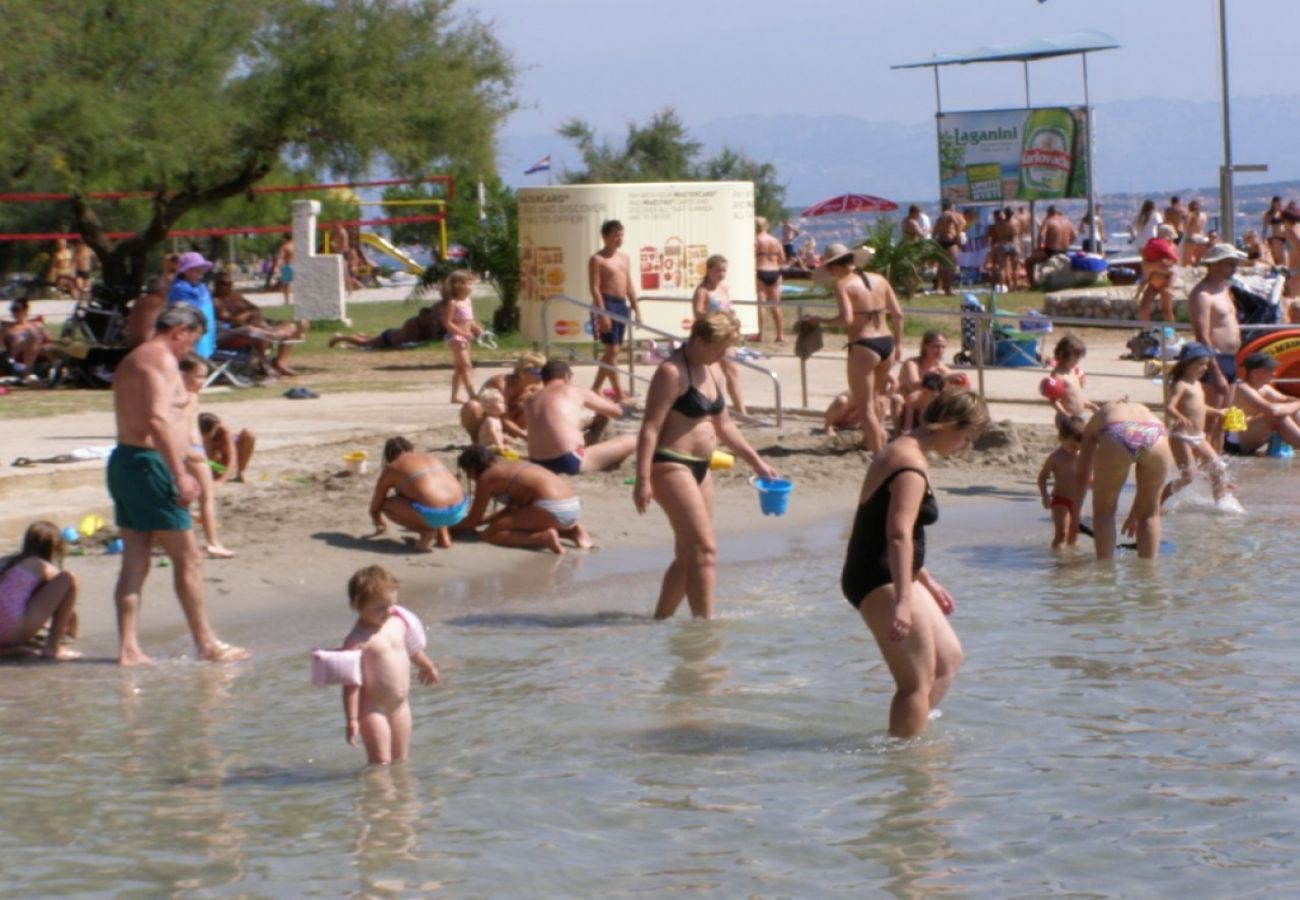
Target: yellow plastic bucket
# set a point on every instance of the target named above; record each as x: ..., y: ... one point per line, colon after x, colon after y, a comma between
x: 356, y: 462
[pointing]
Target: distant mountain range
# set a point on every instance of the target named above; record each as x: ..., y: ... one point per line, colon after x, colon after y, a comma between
x: 1142, y: 147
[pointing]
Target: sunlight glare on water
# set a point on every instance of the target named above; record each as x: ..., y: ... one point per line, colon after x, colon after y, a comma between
x: 1128, y: 729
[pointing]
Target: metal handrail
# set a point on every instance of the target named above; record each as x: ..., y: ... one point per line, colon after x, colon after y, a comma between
x: 632, y: 324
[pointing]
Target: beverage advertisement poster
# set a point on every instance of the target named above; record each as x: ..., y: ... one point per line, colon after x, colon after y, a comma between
x: 669, y: 231
x: 1000, y: 155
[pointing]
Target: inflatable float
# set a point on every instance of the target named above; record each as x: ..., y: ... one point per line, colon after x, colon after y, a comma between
x: 1283, y: 346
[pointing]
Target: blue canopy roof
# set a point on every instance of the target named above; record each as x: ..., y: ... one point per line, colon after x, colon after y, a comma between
x: 1043, y: 48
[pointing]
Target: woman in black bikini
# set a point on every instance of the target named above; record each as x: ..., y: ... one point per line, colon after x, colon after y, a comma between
x: 884, y: 573
x: 864, y: 300
x: 685, y: 415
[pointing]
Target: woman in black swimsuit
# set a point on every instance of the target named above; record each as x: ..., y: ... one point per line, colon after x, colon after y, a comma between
x: 864, y: 301
x: 884, y: 573
x: 685, y: 415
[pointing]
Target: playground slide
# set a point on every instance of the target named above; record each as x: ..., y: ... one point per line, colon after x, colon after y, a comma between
x: 386, y: 248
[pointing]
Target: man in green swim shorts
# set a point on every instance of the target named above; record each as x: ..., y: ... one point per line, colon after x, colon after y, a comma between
x: 150, y: 488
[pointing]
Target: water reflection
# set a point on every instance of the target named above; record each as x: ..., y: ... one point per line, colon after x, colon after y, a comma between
x: 389, y: 817
x: 909, y: 832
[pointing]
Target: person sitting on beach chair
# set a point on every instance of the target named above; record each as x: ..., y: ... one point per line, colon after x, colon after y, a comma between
x: 248, y: 327
x: 26, y: 342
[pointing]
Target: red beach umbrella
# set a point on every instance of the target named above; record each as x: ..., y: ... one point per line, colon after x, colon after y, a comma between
x: 849, y: 203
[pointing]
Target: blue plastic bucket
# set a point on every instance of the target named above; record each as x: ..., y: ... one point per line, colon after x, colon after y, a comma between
x: 1278, y: 448
x: 773, y: 494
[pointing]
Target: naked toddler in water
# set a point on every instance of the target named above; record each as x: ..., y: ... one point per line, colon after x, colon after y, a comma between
x: 388, y: 639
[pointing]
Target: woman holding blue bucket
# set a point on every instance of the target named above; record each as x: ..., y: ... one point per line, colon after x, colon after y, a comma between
x: 416, y: 491
x: 685, y: 416
x: 885, y: 577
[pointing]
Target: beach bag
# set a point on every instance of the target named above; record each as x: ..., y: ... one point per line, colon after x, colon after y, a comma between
x: 809, y: 340
x: 1145, y: 344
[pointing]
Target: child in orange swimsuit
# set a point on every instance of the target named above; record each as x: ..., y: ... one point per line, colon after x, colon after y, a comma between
x: 1060, y: 467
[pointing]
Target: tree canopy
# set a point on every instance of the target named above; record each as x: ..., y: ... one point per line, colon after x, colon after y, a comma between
x: 195, y: 102
x: 662, y: 150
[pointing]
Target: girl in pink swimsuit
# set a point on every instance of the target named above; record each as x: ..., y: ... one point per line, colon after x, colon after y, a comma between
x: 458, y: 318
x: 33, y: 591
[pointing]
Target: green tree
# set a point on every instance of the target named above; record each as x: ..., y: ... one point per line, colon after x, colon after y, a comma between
x: 196, y: 102
x: 490, y: 236
x: 662, y: 150
x: 902, y: 262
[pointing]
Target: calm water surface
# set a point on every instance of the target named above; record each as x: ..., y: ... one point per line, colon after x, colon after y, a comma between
x: 1132, y: 731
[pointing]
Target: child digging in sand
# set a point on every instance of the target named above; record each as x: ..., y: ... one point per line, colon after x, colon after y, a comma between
x: 1187, y: 414
x: 1064, y: 387
x: 389, y: 639
x: 194, y: 371
x: 231, y: 452
x: 1059, y: 467
x: 34, y: 591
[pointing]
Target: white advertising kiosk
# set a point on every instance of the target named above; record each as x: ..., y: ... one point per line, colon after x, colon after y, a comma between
x: 670, y: 229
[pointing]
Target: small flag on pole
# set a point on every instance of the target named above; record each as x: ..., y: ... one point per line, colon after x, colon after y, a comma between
x: 542, y: 165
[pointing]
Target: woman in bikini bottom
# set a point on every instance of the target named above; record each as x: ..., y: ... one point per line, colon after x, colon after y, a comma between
x: 699, y: 467
x: 1124, y: 436
x: 881, y: 345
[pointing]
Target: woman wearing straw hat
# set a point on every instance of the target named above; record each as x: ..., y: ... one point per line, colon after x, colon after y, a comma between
x: 864, y: 300
x: 685, y: 415
x: 188, y: 287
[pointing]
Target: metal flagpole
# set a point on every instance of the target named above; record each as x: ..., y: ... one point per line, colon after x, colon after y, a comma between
x: 1092, y: 181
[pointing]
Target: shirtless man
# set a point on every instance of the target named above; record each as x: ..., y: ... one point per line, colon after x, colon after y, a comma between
x: 1057, y: 234
x: 913, y: 228
x: 1268, y: 411
x: 609, y: 274
x: 947, y: 231
x: 237, y: 311
x: 1004, y: 244
x: 60, y: 273
x: 1176, y: 216
x: 769, y: 256
x: 150, y: 487
x: 1214, y: 322
x: 789, y: 231
x: 83, y: 258
x: 554, y: 414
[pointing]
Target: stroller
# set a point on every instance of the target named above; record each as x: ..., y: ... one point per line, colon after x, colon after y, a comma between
x: 92, y: 341
x: 970, y: 333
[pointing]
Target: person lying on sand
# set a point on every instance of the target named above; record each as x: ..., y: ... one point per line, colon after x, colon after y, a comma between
x: 421, y: 328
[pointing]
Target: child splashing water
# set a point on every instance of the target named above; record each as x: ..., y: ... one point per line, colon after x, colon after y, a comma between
x: 1064, y: 387
x: 458, y: 319
x: 1187, y: 413
x: 33, y: 591
x: 1060, y: 468
x: 389, y: 639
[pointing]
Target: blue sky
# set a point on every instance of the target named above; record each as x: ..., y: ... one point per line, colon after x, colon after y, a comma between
x: 614, y: 61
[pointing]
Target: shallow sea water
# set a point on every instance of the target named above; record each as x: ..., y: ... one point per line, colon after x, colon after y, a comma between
x: 1122, y: 731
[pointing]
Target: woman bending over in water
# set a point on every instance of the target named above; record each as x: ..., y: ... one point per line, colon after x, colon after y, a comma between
x: 685, y: 415
x: 885, y: 577
x: 864, y: 301
x: 1120, y: 435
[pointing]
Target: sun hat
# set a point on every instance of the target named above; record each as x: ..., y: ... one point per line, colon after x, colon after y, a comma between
x: 191, y: 260
x: 1194, y: 350
x: 1167, y: 232
x: 836, y: 252
x: 1222, y: 252
x: 1259, y: 360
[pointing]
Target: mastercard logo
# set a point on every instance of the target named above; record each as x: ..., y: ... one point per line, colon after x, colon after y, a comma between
x: 588, y: 328
x: 566, y: 327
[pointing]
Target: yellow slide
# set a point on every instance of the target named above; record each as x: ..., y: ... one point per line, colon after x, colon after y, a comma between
x: 386, y: 248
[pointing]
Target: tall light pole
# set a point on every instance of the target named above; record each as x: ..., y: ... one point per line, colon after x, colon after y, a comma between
x: 1226, y: 213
